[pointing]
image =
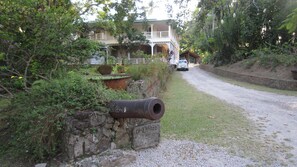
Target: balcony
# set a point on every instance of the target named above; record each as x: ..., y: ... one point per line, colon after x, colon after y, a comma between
x: 156, y: 34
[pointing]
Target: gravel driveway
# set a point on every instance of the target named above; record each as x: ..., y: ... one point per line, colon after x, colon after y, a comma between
x: 276, y: 115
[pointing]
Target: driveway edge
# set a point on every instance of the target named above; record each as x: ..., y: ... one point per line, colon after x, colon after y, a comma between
x: 269, y: 82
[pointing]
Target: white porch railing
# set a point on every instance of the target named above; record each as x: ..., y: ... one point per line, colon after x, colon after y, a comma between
x: 160, y: 34
x: 101, y: 36
x: 156, y: 34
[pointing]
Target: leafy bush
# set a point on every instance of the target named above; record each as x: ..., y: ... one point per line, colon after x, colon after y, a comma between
x: 38, y: 120
x: 207, y: 58
x: 120, y: 68
x: 139, y: 54
x: 272, y: 57
x: 111, y: 60
x: 143, y: 71
x: 248, y: 63
x: 104, y: 69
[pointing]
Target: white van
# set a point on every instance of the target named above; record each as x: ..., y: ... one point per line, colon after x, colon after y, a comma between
x: 182, y: 65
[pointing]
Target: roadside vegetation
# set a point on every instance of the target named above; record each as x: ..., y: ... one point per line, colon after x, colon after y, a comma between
x: 258, y: 87
x: 193, y: 115
x: 225, y: 32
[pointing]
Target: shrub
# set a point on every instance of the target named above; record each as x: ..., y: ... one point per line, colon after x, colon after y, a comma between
x: 120, y: 68
x: 139, y: 54
x: 143, y: 71
x: 248, y: 63
x: 37, y: 124
x: 111, y: 60
x: 271, y: 58
x: 104, y: 69
x: 207, y: 58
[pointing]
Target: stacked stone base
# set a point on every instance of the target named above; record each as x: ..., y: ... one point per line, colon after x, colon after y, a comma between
x: 91, y: 132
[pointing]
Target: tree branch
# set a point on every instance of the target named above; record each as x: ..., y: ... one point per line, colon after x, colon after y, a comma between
x: 88, y: 8
x: 6, y: 90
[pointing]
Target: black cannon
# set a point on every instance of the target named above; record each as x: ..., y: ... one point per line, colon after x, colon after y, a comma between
x: 151, y: 108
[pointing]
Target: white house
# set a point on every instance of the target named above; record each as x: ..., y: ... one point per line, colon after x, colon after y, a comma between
x: 161, y: 35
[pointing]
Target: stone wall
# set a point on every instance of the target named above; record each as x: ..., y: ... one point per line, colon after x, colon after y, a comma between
x: 269, y: 82
x: 90, y: 133
x: 150, y: 87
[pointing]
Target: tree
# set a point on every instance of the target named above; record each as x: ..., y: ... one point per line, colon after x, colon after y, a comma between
x: 290, y: 22
x: 37, y: 38
x: 120, y: 23
x: 225, y: 27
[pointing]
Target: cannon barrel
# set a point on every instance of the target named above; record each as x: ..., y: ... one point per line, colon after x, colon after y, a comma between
x: 151, y: 108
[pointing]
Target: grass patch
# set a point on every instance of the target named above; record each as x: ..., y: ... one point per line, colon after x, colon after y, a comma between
x: 258, y: 87
x: 4, y: 103
x: 193, y: 115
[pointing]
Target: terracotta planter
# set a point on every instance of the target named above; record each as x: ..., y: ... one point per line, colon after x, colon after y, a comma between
x: 117, y: 82
x: 294, y: 73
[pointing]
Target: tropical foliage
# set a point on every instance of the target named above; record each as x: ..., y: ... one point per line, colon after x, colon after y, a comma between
x: 231, y: 30
x: 119, y: 23
x: 37, y: 38
x: 40, y: 41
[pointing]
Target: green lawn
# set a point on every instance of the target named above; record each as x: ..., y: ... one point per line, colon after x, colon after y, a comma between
x: 194, y: 115
x: 3, y: 103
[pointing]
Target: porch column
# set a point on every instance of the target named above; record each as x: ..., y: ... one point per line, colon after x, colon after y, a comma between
x: 152, y: 30
x: 169, y: 31
x: 129, y: 56
x: 152, y: 48
x: 107, y: 54
x: 169, y: 46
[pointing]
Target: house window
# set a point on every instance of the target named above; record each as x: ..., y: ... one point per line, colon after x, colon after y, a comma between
x: 99, y: 36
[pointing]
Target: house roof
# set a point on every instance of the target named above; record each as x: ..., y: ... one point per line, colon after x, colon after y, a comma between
x: 152, y: 20
x: 192, y: 54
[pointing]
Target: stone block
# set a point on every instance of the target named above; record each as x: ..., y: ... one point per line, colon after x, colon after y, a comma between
x: 97, y: 119
x: 146, y: 136
x: 122, y: 138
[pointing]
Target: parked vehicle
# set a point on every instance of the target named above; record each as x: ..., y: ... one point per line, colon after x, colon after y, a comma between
x: 182, y: 65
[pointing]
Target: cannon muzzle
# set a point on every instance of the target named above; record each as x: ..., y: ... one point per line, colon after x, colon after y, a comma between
x: 151, y: 108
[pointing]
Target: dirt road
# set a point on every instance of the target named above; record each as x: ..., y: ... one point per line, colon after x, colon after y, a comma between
x: 275, y: 115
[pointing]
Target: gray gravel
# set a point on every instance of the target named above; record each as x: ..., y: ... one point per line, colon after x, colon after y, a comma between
x: 171, y: 153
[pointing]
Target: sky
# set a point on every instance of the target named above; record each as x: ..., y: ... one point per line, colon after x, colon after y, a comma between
x: 159, y: 11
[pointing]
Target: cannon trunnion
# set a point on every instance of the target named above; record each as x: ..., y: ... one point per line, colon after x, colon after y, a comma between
x: 151, y: 108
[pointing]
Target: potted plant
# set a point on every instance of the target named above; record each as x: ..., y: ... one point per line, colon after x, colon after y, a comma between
x: 120, y: 69
x: 117, y: 82
x: 105, y: 69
